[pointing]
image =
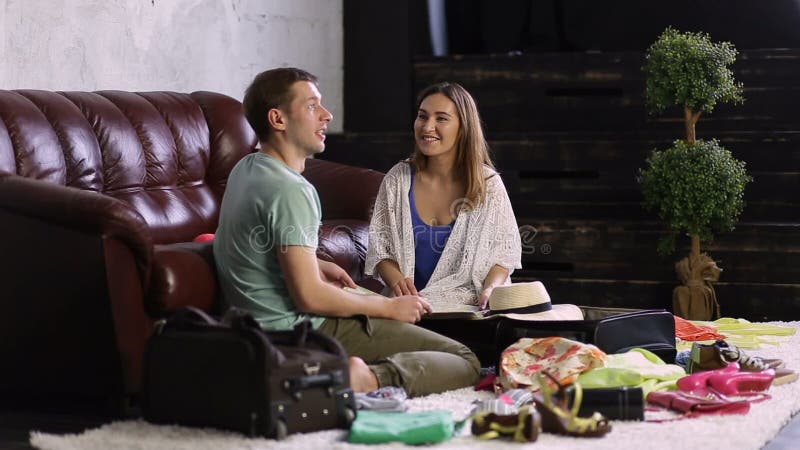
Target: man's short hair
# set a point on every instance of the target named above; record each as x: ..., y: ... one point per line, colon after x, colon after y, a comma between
x: 270, y: 89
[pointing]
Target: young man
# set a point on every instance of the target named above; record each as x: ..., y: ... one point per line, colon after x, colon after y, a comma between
x: 265, y: 252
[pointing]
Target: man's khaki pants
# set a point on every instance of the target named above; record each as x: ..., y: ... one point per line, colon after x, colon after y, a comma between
x: 405, y: 355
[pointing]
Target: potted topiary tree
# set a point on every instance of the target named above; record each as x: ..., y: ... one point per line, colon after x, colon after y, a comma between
x: 696, y: 186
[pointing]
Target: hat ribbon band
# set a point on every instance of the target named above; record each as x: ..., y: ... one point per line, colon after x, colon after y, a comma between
x: 542, y: 307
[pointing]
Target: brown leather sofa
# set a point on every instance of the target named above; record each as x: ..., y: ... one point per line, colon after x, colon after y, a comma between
x: 101, y: 194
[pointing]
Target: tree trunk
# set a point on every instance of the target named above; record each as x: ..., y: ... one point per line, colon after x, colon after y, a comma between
x: 690, y: 119
x: 695, y: 246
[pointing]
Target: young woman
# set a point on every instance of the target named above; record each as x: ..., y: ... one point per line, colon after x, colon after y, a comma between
x: 443, y: 225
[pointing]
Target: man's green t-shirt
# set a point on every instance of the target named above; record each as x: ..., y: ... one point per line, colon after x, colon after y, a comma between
x: 266, y: 205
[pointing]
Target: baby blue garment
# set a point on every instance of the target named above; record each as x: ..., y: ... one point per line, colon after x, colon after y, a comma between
x: 682, y: 358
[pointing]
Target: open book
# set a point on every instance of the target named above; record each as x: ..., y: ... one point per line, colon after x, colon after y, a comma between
x: 440, y: 311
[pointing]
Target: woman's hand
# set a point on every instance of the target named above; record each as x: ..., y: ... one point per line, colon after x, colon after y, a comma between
x: 496, y: 277
x: 404, y: 286
x: 483, y: 299
x: 389, y: 270
x: 333, y: 274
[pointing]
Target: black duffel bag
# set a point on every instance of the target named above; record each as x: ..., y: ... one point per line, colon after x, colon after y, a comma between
x: 233, y: 375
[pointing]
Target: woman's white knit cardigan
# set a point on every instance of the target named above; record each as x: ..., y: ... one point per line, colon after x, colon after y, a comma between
x: 480, y: 238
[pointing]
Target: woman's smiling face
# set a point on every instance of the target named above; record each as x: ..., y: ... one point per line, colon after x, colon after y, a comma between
x: 436, y: 127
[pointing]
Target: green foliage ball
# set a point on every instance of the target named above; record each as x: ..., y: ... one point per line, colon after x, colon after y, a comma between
x: 697, y: 189
x: 687, y: 69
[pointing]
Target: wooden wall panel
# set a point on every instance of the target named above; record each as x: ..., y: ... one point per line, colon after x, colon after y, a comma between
x: 569, y: 132
x: 605, y: 91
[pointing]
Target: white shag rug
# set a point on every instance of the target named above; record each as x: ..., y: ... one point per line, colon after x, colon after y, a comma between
x: 741, y: 432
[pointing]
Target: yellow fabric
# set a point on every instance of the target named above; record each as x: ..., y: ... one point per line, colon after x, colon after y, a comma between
x: 635, y: 368
x: 742, y: 326
x: 746, y: 334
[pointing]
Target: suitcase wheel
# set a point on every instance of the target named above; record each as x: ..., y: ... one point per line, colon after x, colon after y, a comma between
x: 349, y: 415
x: 281, y: 432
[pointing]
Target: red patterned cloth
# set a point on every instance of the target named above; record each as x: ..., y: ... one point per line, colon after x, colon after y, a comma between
x: 689, y: 331
x: 563, y: 358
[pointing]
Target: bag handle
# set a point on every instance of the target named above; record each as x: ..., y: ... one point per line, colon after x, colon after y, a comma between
x: 240, y: 320
x: 299, y: 336
x: 328, y: 343
x: 186, y: 316
x: 305, y: 330
x: 300, y: 333
x: 304, y: 334
x: 244, y: 322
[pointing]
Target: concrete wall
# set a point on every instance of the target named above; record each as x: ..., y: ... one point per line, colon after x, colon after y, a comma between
x: 178, y: 45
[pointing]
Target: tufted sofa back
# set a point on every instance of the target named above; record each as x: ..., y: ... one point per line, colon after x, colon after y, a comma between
x: 165, y: 154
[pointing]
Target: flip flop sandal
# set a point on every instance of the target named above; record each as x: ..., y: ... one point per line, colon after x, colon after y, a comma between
x: 741, y: 383
x: 558, y: 418
x: 522, y: 427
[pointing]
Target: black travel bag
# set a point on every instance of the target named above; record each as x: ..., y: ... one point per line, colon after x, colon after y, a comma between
x: 612, y: 330
x: 233, y: 375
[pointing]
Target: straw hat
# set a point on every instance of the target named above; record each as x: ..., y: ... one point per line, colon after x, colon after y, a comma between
x: 529, y: 301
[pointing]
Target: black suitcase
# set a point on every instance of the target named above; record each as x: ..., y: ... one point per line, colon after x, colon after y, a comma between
x: 612, y: 330
x: 233, y: 375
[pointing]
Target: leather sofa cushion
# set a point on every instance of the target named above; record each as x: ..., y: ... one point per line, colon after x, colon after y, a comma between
x: 345, y: 243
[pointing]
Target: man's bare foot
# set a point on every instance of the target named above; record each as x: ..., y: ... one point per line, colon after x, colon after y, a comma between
x: 362, y: 379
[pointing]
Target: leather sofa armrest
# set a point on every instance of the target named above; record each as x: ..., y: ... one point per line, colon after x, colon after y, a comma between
x: 78, y: 209
x: 346, y: 192
x: 183, y: 274
x: 75, y: 298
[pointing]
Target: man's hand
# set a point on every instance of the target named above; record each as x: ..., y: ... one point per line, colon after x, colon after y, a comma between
x: 333, y: 274
x: 409, y: 308
x: 323, y: 295
x: 405, y: 286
